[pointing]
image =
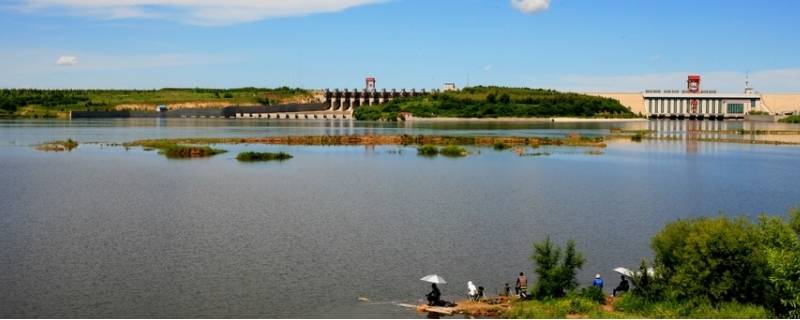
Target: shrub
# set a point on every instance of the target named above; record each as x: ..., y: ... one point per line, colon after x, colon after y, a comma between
x: 427, y: 150
x: 593, y: 294
x: 637, y: 137
x: 453, y: 151
x: 556, y: 277
x: 717, y: 259
x: 186, y: 152
x: 263, y: 156
x: 500, y: 146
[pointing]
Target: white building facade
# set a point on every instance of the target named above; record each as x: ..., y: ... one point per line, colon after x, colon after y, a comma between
x: 706, y: 105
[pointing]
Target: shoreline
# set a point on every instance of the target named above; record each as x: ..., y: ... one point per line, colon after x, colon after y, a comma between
x: 527, y: 120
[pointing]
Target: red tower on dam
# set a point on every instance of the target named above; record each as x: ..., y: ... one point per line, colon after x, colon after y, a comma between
x: 370, y: 84
x: 693, y: 86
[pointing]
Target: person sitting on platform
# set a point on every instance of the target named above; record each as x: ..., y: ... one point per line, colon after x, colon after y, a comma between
x: 434, y: 297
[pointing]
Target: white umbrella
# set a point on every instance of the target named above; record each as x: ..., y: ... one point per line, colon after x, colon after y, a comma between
x: 628, y: 273
x: 624, y: 271
x: 433, y: 279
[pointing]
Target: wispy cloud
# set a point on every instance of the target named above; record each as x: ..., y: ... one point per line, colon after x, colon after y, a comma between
x: 199, y: 12
x: 531, y: 6
x: 67, y: 61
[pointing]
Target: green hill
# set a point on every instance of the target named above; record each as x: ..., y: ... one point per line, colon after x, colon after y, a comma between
x: 493, y: 102
x: 30, y: 103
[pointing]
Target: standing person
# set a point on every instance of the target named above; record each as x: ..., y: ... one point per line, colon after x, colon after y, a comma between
x: 507, y: 290
x: 522, y: 286
x: 434, y: 296
x: 623, y: 286
x: 598, y: 282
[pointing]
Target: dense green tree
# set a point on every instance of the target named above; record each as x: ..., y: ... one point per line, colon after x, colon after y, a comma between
x: 717, y: 259
x: 555, y: 277
x: 731, y: 260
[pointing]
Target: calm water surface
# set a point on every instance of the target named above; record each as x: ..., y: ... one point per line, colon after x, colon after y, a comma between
x: 107, y: 232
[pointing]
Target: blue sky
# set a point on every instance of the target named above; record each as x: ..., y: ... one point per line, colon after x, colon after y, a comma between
x: 580, y: 45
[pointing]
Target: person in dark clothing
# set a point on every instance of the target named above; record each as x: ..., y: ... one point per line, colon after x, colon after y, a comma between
x: 434, y: 296
x: 507, y: 290
x: 623, y: 286
x: 522, y: 286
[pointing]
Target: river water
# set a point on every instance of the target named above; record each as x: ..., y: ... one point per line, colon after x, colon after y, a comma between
x: 107, y: 232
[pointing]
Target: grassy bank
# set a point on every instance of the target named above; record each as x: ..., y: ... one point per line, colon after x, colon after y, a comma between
x: 493, y: 102
x: 630, y: 307
x: 34, y: 103
x: 791, y: 119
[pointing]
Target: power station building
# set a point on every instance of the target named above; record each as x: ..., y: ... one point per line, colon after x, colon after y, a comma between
x: 701, y: 104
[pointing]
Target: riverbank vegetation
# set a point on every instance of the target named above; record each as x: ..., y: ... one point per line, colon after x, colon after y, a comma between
x: 711, y: 267
x: 58, y: 146
x: 38, y: 103
x: 791, y: 119
x: 263, y: 156
x: 494, y: 102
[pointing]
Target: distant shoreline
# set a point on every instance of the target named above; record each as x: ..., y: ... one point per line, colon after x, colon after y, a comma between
x: 523, y: 120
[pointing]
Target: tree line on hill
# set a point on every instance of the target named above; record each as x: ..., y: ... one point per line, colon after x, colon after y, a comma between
x: 492, y: 102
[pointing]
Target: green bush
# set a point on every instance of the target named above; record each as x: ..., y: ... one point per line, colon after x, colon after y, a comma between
x: 453, y: 151
x: 556, y: 276
x: 717, y: 259
x: 263, y: 156
x: 791, y: 119
x: 186, y: 152
x: 731, y: 260
x: 427, y: 150
x: 594, y: 294
x: 500, y: 146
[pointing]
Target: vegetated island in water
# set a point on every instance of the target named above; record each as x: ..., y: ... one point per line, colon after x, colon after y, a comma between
x: 573, y: 140
x: 175, y: 150
x: 497, y: 102
x: 58, y: 146
x: 40, y: 103
x: 263, y: 156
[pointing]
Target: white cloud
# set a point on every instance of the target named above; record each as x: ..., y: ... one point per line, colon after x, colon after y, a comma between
x: 530, y: 6
x: 67, y: 61
x: 487, y: 68
x: 201, y: 12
